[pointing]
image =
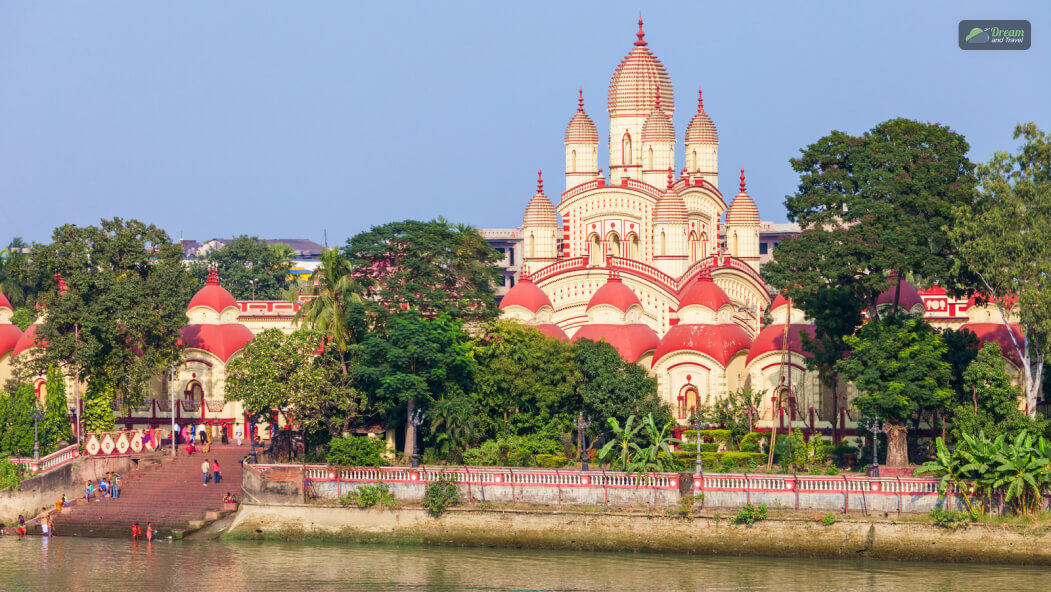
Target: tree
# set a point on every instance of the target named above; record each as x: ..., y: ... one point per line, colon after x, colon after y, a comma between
x: 990, y: 401
x: 898, y: 365
x: 333, y: 303
x: 115, y: 299
x: 16, y: 421
x: 1002, y: 238
x: 57, y: 423
x: 874, y: 204
x: 412, y: 362
x: 433, y: 267
x: 249, y: 267
x: 836, y: 313
x: 259, y: 377
x: 322, y: 396
x: 98, y: 405
x: 524, y: 378
x: 614, y: 388
x: 13, y: 267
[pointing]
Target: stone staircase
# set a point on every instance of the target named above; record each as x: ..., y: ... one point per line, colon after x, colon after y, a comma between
x: 170, y: 494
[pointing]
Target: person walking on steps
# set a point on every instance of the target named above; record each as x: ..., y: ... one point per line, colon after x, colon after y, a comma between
x: 206, y: 469
x: 215, y: 471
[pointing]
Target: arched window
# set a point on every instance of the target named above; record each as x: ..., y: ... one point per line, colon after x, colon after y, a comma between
x: 530, y: 246
x: 625, y: 147
x: 733, y: 250
x: 704, y: 245
x: 194, y: 391
x: 687, y: 402
x: 693, y: 160
x: 573, y: 162
x: 663, y: 244
x: 595, y: 251
x: 614, y: 244
x: 650, y: 157
x: 694, y: 247
x: 631, y: 247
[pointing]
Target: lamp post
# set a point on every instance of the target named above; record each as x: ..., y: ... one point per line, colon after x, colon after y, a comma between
x: 698, y: 467
x: 417, y: 421
x: 36, y: 435
x: 76, y: 382
x: 253, y: 282
x: 582, y: 424
x: 874, y: 427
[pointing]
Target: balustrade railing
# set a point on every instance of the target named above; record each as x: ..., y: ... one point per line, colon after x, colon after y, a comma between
x: 46, y: 463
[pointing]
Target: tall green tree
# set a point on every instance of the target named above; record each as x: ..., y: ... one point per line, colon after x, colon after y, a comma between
x: 13, y: 267
x: 250, y: 268
x: 611, y: 387
x: 16, y: 421
x: 837, y: 314
x: 115, y: 299
x: 874, y: 204
x: 525, y: 378
x: 260, y: 375
x: 57, y: 405
x: 434, y: 267
x: 898, y: 365
x: 1002, y: 236
x: 990, y: 399
x: 332, y: 303
x: 411, y: 363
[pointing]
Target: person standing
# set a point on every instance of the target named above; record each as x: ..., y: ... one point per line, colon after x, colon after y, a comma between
x: 88, y: 490
x: 206, y: 469
x: 49, y: 524
x: 239, y: 433
x: 215, y: 471
x: 114, y: 478
x: 149, y: 532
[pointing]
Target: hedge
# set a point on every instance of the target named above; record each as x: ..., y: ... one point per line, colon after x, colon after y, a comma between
x: 691, y: 447
x: 550, y: 461
x: 719, y: 436
x: 750, y: 441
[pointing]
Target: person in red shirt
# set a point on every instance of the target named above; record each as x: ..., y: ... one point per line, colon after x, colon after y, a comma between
x: 135, y: 532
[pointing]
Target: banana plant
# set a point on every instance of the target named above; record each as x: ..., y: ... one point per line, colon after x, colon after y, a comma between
x: 950, y: 467
x: 622, y: 449
x: 1021, y: 473
x: 978, y: 455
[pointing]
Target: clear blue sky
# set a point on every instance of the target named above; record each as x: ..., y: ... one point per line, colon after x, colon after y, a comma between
x: 281, y: 119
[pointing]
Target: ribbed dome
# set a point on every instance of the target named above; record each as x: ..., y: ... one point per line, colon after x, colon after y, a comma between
x: 778, y: 302
x: 633, y: 88
x: 720, y: 342
x: 615, y: 294
x: 5, y: 303
x: 221, y: 340
x: 525, y: 294
x: 9, y: 336
x: 581, y: 130
x: 658, y: 127
x: 212, y: 295
x: 704, y: 292
x: 552, y: 330
x: 670, y: 209
x: 742, y: 210
x: 701, y: 129
x: 908, y: 298
x: 27, y: 341
x: 772, y: 339
x: 539, y: 211
x: 630, y: 341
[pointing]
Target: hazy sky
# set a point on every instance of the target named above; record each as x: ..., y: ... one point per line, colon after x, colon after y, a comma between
x: 283, y: 119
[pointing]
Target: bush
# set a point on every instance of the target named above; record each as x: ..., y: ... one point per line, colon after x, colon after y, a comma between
x: 513, y: 451
x: 717, y: 436
x: 550, y: 461
x: 750, y: 514
x: 356, y: 451
x: 368, y: 496
x: 441, y: 495
x: 691, y: 447
x: 9, y: 474
x: 829, y: 519
x: 949, y: 519
x: 750, y: 441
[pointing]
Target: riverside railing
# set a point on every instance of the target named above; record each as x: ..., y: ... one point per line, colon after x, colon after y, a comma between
x: 46, y: 463
x: 844, y: 493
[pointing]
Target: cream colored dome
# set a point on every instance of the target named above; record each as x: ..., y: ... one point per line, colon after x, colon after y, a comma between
x: 539, y: 211
x: 658, y: 127
x: 633, y: 88
x: 701, y: 129
x: 670, y: 208
x: 581, y: 130
x: 742, y: 210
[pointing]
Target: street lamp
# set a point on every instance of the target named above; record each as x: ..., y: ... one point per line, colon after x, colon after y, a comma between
x: 36, y: 435
x: 874, y: 427
x: 698, y: 467
x: 582, y: 424
x: 253, y: 282
x: 417, y: 420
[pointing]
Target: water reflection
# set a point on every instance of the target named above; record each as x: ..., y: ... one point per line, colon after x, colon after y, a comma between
x: 101, y: 564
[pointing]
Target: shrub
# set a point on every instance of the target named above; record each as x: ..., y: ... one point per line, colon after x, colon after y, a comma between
x: 368, y: 496
x: 691, y: 447
x: 949, y: 519
x: 717, y: 436
x: 514, y: 451
x: 829, y: 519
x: 750, y: 441
x: 551, y: 461
x: 10, y: 476
x: 750, y: 514
x: 441, y: 495
x: 356, y: 451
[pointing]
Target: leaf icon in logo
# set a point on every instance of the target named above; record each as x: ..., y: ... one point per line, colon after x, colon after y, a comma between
x: 977, y: 35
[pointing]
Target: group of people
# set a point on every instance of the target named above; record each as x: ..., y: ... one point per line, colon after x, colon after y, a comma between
x: 137, y: 532
x: 47, y: 526
x: 108, y: 486
x: 211, y: 470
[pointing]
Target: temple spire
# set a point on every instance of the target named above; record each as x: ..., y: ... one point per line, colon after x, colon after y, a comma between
x: 580, y: 102
x: 641, y: 35
x: 742, y: 181
x: 540, y: 181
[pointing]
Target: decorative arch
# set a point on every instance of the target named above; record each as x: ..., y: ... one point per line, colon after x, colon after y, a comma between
x: 631, y: 246
x: 625, y: 147
x: 687, y: 401
x: 613, y: 240
x: 693, y: 160
x: 594, y: 250
x: 194, y: 391
x: 649, y: 155
x: 573, y: 162
x: 662, y: 247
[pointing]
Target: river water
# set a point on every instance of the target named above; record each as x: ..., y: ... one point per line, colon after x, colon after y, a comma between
x: 75, y: 564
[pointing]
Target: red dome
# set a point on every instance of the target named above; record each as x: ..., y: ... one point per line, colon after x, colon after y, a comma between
x: 704, y: 292
x: 552, y: 330
x: 908, y: 299
x: 527, y: 295
x: 221, y: 340
x: 998, y: 332
x: 9, y: 336
x: 615, y: 294
x: 212, y: 295
x: 27, y: 341
x: 772, y: 338
x: 4, y: 302
x: 630, y: 341
x: 721, y: 342
x: 778, y: 302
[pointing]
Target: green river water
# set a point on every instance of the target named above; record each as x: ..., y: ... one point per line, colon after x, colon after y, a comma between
x: 75, y: 564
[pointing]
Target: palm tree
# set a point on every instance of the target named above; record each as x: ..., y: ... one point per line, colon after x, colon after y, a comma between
x: 325, y: 303
x: 10, y: 284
